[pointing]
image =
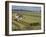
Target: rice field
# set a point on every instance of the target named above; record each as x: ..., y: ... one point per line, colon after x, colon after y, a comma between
x: 31, y: 21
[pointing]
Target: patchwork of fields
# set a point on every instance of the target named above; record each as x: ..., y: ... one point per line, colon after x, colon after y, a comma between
x: 31, y: 21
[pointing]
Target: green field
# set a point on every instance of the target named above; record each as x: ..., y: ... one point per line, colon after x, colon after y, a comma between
x: 31, y: 21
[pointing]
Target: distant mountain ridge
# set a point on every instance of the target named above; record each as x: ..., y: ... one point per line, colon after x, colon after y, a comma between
x: 14, y: 10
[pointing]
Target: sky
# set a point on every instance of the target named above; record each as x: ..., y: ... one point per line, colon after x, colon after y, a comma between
x: 29, y: 8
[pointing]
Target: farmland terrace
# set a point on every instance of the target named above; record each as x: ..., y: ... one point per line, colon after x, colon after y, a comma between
x: 31, y: 21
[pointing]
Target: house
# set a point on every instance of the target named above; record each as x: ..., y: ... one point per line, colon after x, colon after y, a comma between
x: 19, y: 16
